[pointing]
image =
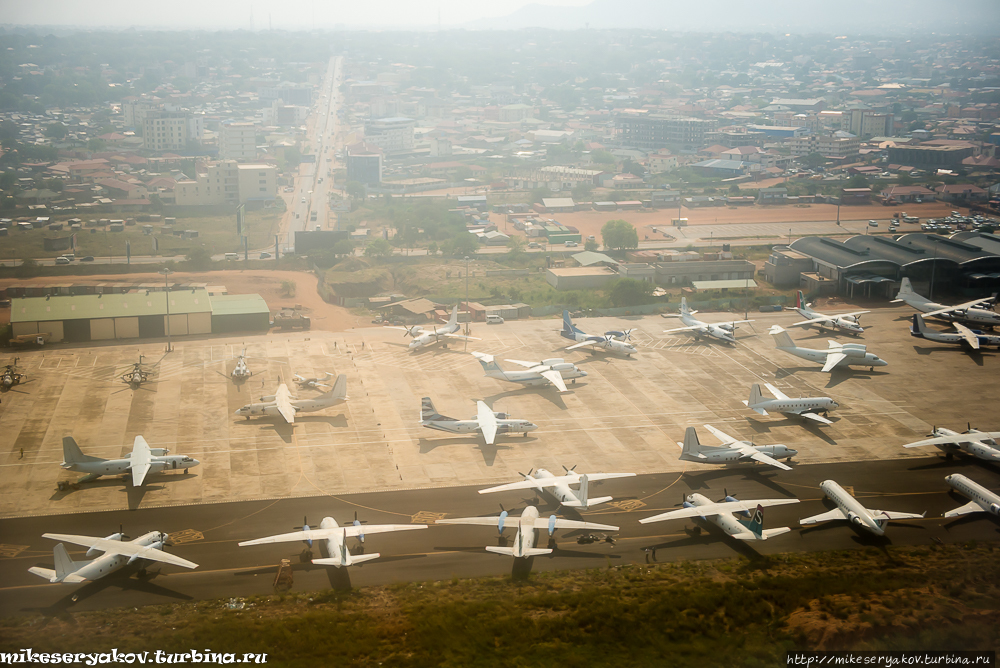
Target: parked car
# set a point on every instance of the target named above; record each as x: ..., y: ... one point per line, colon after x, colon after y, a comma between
x: 571, y: 244
x: 533, y: 245
x: 493, y: 319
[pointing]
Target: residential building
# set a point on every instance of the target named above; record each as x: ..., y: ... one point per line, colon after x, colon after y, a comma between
x: 838, y: 145
x: 650, y: 132
x: 228, y: 182
x: 924, y: 155
x: 662, y: 162
x: 364, y: 164
x: 165, y: 130
x: 392, y: 135
x: 134, y: 110
x: 800, y: 105
x: 288, y: 92
x: 513, y: 113
x: 866, y: 122
x: 237, y: 141
x: 961, y: 192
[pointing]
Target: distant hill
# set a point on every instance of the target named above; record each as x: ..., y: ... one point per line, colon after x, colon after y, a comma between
x: 799, y: 16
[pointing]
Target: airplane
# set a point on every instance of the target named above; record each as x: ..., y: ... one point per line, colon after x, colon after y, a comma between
x: 524, y: 540
x: 10, y: 376
x: 614, y: 342
x: 135, y: 377
x: 721, y: 514
x: 284, y: 404
x: 559, y: 486
x: 983, y: 500
x: 423, y: 337
x: 848, y: 508
x: 962, y: 335
x: 723, y: 332
x: 241, y: 371
x: 732, y: 451
x: 839, y: 354
x: 117, y: 553
x: 554, y: 371
x: 142, y: 461
x: 336, y: 539
x: 805, y: 407
x: 487, y: 421
x: 970, y: 313
x: 979, y: 444
x: 312, y: 383
x: 847, y: 322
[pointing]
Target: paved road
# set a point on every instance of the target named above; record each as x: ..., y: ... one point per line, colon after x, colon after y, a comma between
x: 208, y: 533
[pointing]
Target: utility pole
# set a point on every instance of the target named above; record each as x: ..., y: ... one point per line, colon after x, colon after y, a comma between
x: 933, y: 267
x: 166, y: 293
x: 467, y: 310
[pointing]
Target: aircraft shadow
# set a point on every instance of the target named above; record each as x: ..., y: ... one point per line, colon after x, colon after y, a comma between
x: 699, y: 480
x: 962, y: 520
x: 959, y: 461
x: 122, y: 579
x: 550, y: 393
x: 521, y: 568
x: 975, y: 355
x: 809, y: 425
x: 580, y: 554
x: 489, y: 451
x: 709, y: 534
x: 838, y: 376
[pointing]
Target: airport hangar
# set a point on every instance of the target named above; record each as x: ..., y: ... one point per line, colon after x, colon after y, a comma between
x: 873, y: 266
x: 137, y: 315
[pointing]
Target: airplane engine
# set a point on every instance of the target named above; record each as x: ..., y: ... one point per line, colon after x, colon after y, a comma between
x: 854, y: 353
x: 553, y: 362
x: 728, y: 327
x: 93, y: 552
x: 565, y: 366
x: 855, y: 519
x: 159, y: 452
x: 859, y: 347
x: 156, y: 467
x: 269, y: 397
x: 995, y: 509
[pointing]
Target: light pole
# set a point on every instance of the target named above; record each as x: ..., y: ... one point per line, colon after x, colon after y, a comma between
x: 933, y: 267
x: 166, y: 294
x: 468, y: 312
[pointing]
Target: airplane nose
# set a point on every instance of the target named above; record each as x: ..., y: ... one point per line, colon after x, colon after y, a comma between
x: 195, y: 462
x: 583, y: 373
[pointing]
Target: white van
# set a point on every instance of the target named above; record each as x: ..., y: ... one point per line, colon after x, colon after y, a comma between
x: 232, y: 256
x: 62, y: 260
x: 493, y: 319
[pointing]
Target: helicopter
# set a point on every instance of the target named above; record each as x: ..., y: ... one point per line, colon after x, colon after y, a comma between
x: 136, y: 376
x: 10, y: 376
x: 241, y: 371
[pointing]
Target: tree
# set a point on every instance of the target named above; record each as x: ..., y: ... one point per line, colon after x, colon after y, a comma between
x: 516, y: 246
x: 464, y: 244
x: 288, y: 288
x: 734, y: 189
x: 56, y: 131
x: 602, y: 158
x: 591, y: 245
x: 432, y: 248
x: 380, y: 248
x: 27, y: 268
x: 581, y: 191
x: 857, y: 181
x: 813, y: 160
x: 343, y: 247
x: 630, y: 292
x: 619, y: 235
x: 355, y: 190
x: 96, y: 144
x: 200, y: 259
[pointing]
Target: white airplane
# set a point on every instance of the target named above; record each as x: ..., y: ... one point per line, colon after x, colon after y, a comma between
x: 732, y: 451
x: 983, y: 500
x: 697, y: 328
x: 806, y: 407
x: 312, y: 383
x: 284, y: 404
x: 846, y: 322
x: 554, y: 371
x: 524, y: 541
x: 838, y: 354
x: 490, y: 423
x: 142, y: 461
x: 962, y: 335
x: 721, y: 514
x: 117, y: 554
x: 241, y: 371
x: 971, y: 313
x: 849, y: 509
x: 559, y: 486
x: 423, y: 337
x: 614, y: 342
x: 336, y: 539
x: 979, y: 444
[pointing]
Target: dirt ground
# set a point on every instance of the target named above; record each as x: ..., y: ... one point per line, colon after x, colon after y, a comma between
x: 267, y: 284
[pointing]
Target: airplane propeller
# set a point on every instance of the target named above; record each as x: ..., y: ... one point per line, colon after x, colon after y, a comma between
x: 503, y: 518
x: 358, y: 523
x: 528, y: 474
x: 568, y: 471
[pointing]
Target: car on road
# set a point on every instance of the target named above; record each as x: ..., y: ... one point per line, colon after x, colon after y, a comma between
x: 87, y: 258
x: 872, y: 223
x: 571, y: 244
x: 303, y: 200
x: 265, y: 255
x: 533, y: 245
x: 62, y: 260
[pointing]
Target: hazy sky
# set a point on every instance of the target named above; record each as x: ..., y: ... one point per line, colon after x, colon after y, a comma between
x: 234, y: 14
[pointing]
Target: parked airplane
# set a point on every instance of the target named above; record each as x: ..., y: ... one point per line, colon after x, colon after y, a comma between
x: 559, y: 486
x: 847, y: 322
x: 241, y: 371
x: 614, y: 342
x: 487, y: 421
x: 849, y: 509
x: 284, y: 404
x: 839, y: 354
x: 732, y: 451
x: 721, y: 514
x: 806, y: 407
x: 10, y: 376
x: 312, y: 383
x: 336, y: 539
x: 697, y: 328
x: 971, y: 313
x: 524, y: 540
x: 554, y: 371
x: 136, y: 376
x: 962, y: 335
x: 983, y: 500
x: 979, y: 444
x: 142, y: 461
x: 117, y: 554
x: 423, y: 337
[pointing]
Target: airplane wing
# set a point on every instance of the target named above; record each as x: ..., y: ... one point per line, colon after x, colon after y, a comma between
x: 854, y: 313
x: 683, y: 329
x: 139, y: 461
x: 405, y: 329
x: 809, y: 322
x: 462, y: 336
x: 833, y: 359
x: 559, y: 523
x: 523, y: 363
x: 893, y: 515
x: 295, y: 536
x: 957, y: 307
x: 716, y: 509
x: 967, y: 334
x: 970, y: 507
x: 956, y: 438
x: 582, y: 344
x: 722, y: 436
x: 594, y: 477
x: 555, y: 378
x: 524, y: 484
x: 487, y: 422
x: 814, y: 416
x: 835, y: 514
x: 778, y: 394
x: 283, y: 400
x: 758, y: 456
x: 123, y: 548
x: 351, y: 530
x: 476, y: 521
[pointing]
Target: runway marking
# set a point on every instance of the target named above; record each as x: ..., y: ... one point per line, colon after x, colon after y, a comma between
x: 186, y: 536
x: 629, y: 505
x: 10, y: 551
x: 426, y: 517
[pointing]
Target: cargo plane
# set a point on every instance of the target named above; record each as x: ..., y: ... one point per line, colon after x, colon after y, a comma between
x: 698, y: 329
x: 284, y: 404
x: 973, y: 338
x: 837, y: 355
x: 117, y: 551
x: 721, y: 514
x: 424, y: 337
x: 732, y: 451
x: 554, y: 371
x: 613, y: 342
x: 970, y: 313
x: 487, y: 421
x: 142, y: 461
x: 804, y: 407
x: 845, y: 322
x: 979, y: 444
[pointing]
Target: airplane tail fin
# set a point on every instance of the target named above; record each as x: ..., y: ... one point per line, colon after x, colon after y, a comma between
x: 781, y: 338
x: 584, y: 492
x: 569, y: 329
x: 427, y: 410
x: 489, y: 363
x: 756, y: 523
x: 691, y: 448
x: 64, y: 565
x: 800, y: 300
x: 755, y: 398
x: 72, y: 453
x: 684, y: 306
x: 339, y: 390
x: 453, y: 320
x: 905, y: 288
x: 509, y: 551
x: 918, y: 326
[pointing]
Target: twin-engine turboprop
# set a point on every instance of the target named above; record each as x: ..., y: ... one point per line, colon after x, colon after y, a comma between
x: 142, y: 461
x: 117, y: 553
x: 721, y: 332
x: 555, y: 371
x: 837, y: 355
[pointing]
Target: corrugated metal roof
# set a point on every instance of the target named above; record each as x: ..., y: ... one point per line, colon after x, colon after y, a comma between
x: 587, y: 258
x: 76, y: 307
x: 719, y: 285
x: 906, y: 250
x: 238, y: 304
